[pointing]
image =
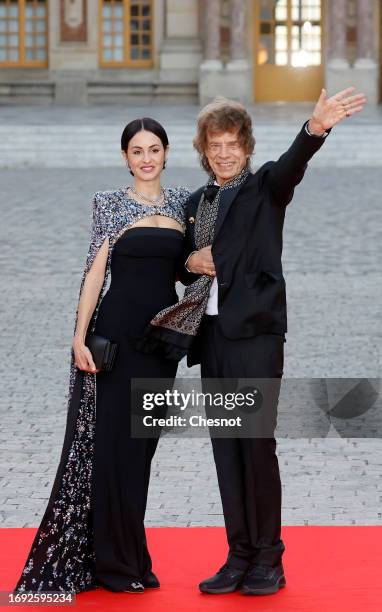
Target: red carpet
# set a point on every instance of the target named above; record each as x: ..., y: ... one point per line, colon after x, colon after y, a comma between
x: 327, y: 569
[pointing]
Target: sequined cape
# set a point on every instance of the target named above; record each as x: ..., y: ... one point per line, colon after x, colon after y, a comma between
x: 61, y: 557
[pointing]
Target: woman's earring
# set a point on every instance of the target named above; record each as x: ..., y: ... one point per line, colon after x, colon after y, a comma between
x: 127, y: 166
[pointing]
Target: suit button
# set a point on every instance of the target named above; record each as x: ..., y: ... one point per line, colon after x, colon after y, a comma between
x: 223, y: 284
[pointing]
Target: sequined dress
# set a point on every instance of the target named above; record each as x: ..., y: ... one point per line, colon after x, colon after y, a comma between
x: 74, y: 549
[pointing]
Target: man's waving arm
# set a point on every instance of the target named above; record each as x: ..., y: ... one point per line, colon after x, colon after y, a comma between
x: 283, y: 175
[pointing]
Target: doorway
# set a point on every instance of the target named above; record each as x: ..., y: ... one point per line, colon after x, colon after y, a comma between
x: 288, y: 50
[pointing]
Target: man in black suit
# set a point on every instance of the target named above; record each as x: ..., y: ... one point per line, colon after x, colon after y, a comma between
x: 242, y: 332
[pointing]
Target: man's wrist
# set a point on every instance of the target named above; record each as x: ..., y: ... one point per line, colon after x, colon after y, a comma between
x: 186, y: 262
x: 314, y: 128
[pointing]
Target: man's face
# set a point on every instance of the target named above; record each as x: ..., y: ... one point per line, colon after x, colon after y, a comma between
x: 225, y: 155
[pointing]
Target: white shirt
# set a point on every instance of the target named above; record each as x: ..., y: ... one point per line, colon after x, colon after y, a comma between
x: 212, y: 304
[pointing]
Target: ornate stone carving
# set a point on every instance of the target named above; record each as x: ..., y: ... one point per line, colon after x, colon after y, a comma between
x: 73, y: 20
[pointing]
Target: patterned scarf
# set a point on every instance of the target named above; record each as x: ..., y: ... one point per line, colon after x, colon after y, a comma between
x: 171, y: 332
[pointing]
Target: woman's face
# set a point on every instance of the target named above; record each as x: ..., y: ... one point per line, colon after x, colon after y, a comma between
x: 145, y: 155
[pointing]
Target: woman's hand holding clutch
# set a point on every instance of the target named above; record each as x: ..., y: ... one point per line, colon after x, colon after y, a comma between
x: 82, y: 356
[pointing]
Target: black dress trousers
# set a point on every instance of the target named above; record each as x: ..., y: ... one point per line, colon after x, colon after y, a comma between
x: 247, y: 468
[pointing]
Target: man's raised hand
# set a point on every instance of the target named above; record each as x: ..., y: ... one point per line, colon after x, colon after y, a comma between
x: 330, y: 111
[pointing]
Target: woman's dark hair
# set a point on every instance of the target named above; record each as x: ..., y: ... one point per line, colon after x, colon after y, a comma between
x: 145, y: 123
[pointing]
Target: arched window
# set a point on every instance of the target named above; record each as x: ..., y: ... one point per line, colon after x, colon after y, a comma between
x: 126, y: 33
x: 23, y: 33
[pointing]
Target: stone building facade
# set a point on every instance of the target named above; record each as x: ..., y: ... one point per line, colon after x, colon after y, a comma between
x: 89, y: 51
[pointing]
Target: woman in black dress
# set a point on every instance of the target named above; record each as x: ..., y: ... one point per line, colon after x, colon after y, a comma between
x: 92, y: 532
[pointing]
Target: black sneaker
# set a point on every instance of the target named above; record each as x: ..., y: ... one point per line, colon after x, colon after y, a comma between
x: 150, y: 581
x: 263, y: 580
x: 226, y: 580
x: 134, y: 586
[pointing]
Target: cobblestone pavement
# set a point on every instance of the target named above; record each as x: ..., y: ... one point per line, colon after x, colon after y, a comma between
x: 272, y: 112
x: 332, y: 265
x: 87, y: 137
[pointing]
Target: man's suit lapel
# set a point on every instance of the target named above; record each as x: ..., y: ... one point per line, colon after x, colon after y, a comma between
x: 191, y: 213
x: 226, y: 199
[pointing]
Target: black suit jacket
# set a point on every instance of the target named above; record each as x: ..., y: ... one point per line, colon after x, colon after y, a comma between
x: 247, y: 245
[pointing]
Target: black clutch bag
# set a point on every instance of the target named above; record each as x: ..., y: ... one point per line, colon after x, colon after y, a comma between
x: 103, y: 351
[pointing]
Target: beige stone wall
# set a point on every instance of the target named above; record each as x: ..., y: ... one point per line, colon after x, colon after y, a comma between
x: 181, y: 49
x: 182, y: 19
x: 208, y: 44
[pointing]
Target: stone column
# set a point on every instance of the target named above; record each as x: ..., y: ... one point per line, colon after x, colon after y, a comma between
x: 211, y: 73
x: 181, y: 49
x: 234, y: 79
x: 365, y: 32
x: 212, y: 34
x: 337, y: 34
x: 366, y: 73
x: 238, y: 30
x: 72, y: 63
x: 338, y: 71
x: 238, y: 82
